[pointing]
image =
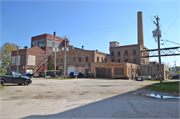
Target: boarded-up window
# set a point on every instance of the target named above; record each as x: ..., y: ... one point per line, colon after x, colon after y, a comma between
x: 118, y: 71
x: 13, y: 60
x: 17, y: 60
x: 31, y: 59
x: 23, y: 57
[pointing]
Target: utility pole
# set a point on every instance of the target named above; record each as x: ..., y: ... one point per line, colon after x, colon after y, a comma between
x: 158, y: 34
x: 17, y: 58
x: 65, y: 58
x: 54, y: 54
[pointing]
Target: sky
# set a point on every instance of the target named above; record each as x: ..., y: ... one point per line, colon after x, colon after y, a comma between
x: 92, y: 23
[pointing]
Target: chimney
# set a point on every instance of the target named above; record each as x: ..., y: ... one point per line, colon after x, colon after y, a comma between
x: 140, y: 28
x: 54, y: 33
x: 96, y: 50
x: 25, y: 47
x: 83, y: 47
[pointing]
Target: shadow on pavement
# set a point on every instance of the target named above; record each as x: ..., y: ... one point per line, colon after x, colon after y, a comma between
x: 125, y: 105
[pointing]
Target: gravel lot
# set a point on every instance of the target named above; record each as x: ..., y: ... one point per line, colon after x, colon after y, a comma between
x: 83, y: 98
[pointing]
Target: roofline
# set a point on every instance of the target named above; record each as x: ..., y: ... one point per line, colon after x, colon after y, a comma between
x: 125, y: 46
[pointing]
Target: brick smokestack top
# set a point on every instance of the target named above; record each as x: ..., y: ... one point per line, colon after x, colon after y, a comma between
x: 54, y: 33
x: 140, y: 28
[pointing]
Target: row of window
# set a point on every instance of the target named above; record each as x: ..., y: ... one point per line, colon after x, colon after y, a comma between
x: 42, y: 43
x: 74, y: 60
x: 126, y: 60
x: 125, y: 52
x: 102, y: 60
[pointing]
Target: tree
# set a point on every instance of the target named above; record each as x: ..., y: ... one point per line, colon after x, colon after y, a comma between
x: 5, y: 56
x: 49, y: 65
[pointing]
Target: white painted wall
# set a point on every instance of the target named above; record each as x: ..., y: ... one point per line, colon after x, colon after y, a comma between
x: 70, y: 69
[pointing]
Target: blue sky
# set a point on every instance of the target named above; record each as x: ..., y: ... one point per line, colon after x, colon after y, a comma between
x: 92, y: 24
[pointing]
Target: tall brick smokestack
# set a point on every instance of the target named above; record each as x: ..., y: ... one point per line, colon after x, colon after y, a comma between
x: 140, y: 28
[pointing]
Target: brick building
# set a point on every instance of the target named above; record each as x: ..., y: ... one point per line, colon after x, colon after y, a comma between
x: 122, y: 62
x: 31, y: 60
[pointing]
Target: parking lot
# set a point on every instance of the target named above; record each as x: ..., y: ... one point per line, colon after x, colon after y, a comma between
x: 84, y: 98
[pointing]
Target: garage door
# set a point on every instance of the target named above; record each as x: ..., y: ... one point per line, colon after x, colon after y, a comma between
x: 100, y: 72
x: 70, y: 69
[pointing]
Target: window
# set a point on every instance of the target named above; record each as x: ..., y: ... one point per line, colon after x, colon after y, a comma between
x: 126, y: 60
x: 134, y: 52
x: 119, y: 53
x: 49, y: 43
x: 35, y: 43
x: 119, y: 60
x: 16, y: 74
x: 42, y: 42
x: 79, y: 59
x: 105, y: 60
x: 56, y: 60
x: 102, y: 59
x: 132, y: 70
x: 57, y: 44
x: 86, y: 59
x: 126, y: 52
x: 74, y: 59
x: 61, y: 60
x: 67, y: 60
x: 134, y: 60
x: 112, y: 60
x: 112, y: 53
x: 97, y: 59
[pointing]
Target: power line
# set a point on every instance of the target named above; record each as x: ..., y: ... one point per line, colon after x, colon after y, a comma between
x: 107, y: 28
x: 172, y: 23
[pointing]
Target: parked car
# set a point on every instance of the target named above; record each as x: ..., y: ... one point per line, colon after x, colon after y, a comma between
x: 76, y: 74
x: 175, y: 76
x: 16, y: 78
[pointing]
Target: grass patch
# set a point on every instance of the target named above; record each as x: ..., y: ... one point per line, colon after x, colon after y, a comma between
x: 62, y: 78
x: 1, y: 87
x: 168, y: 87
x: 145, y: 80
x: 151, y: 80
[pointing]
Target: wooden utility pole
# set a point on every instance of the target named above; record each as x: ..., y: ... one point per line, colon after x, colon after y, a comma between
x: 158, y: 34
x: 65, y: 58
x: 54, y: 54
x: 17, y: 58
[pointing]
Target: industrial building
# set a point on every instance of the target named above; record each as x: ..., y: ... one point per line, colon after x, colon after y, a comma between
x: 122, y: 62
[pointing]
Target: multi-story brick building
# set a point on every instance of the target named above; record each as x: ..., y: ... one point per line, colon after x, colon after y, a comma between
x: 123, y: 61
x: 31, y: 60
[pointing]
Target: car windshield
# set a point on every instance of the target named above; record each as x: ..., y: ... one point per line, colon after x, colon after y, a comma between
x: 16, y: 74
x: 75, y: 72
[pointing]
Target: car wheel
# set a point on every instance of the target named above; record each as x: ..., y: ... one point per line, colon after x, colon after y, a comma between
x: 26, y: 82
x: 2, y: 82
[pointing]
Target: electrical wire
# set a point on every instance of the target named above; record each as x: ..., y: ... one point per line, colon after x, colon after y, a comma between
x: 107, y: 28
x: 172, y: 23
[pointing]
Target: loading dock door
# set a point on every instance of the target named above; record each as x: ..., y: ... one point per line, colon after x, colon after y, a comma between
x: 100, y: 72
